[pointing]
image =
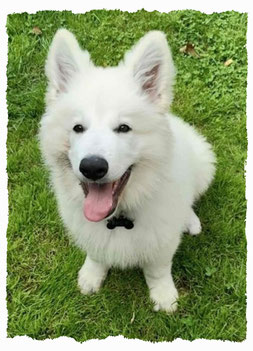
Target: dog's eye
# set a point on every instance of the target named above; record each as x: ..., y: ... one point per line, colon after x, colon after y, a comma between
x: 78, y: 128
x: 123, y: 128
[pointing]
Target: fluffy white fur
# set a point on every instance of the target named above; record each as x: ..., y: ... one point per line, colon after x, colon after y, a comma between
x: 174, y: 165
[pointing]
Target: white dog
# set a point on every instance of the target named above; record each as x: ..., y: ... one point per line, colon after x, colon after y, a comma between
x: 125, y: 172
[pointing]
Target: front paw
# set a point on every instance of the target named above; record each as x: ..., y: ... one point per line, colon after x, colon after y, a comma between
x: 88, y: 282
x: 164, y: 298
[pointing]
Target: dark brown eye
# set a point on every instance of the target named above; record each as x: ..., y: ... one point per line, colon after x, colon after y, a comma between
x: 123, y: 128
x: 78, y: 128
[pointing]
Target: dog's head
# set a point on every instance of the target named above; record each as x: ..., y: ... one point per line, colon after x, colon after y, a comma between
x: 108, y: 124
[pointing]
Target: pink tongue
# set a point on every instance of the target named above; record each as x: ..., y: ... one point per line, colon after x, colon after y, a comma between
x: 98, y: 202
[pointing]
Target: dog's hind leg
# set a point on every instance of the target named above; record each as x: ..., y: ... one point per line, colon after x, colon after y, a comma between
x: 91, y: 276
x: 193, y: 225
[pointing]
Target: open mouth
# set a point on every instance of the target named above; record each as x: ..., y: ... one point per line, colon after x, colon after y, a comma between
x: 101, y: 199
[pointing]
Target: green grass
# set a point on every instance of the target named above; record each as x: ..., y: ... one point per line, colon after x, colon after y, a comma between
x: 209, y: 270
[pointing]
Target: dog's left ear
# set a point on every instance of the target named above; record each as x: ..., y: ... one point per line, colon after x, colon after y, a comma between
x: 150, y: 62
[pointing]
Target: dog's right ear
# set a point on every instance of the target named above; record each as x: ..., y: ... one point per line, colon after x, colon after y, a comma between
x: 65, y: 60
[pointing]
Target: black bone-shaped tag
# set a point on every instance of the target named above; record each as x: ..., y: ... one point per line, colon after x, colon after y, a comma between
x: 120, y: 221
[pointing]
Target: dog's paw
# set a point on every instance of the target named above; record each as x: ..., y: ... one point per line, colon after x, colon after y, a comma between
x: 164, y: 298
x: 194, y: 225
x: 88, y: 282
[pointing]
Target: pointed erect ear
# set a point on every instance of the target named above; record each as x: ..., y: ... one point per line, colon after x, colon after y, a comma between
x: 63, y: 62
x: 150, y: 62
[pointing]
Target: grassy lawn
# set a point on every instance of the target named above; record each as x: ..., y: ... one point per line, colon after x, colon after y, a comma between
x: 209, y: 270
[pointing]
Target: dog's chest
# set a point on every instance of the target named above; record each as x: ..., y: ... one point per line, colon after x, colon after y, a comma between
x: 123, y: 247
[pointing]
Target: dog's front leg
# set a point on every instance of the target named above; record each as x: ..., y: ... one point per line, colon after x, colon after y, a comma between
x: 161, y: 286
x: 91, y: 276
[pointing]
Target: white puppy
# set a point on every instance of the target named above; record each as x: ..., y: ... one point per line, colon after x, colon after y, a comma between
x: 125, y: 172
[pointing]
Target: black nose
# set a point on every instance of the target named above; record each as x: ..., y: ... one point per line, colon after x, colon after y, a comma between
x: 93, y: 167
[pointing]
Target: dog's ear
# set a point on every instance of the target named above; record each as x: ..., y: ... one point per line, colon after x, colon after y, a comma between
x: 151, y: 65
x: 65, y: 60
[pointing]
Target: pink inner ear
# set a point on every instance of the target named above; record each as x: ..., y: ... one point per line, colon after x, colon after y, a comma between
x: 66, y: 67
x: 150, y: 85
